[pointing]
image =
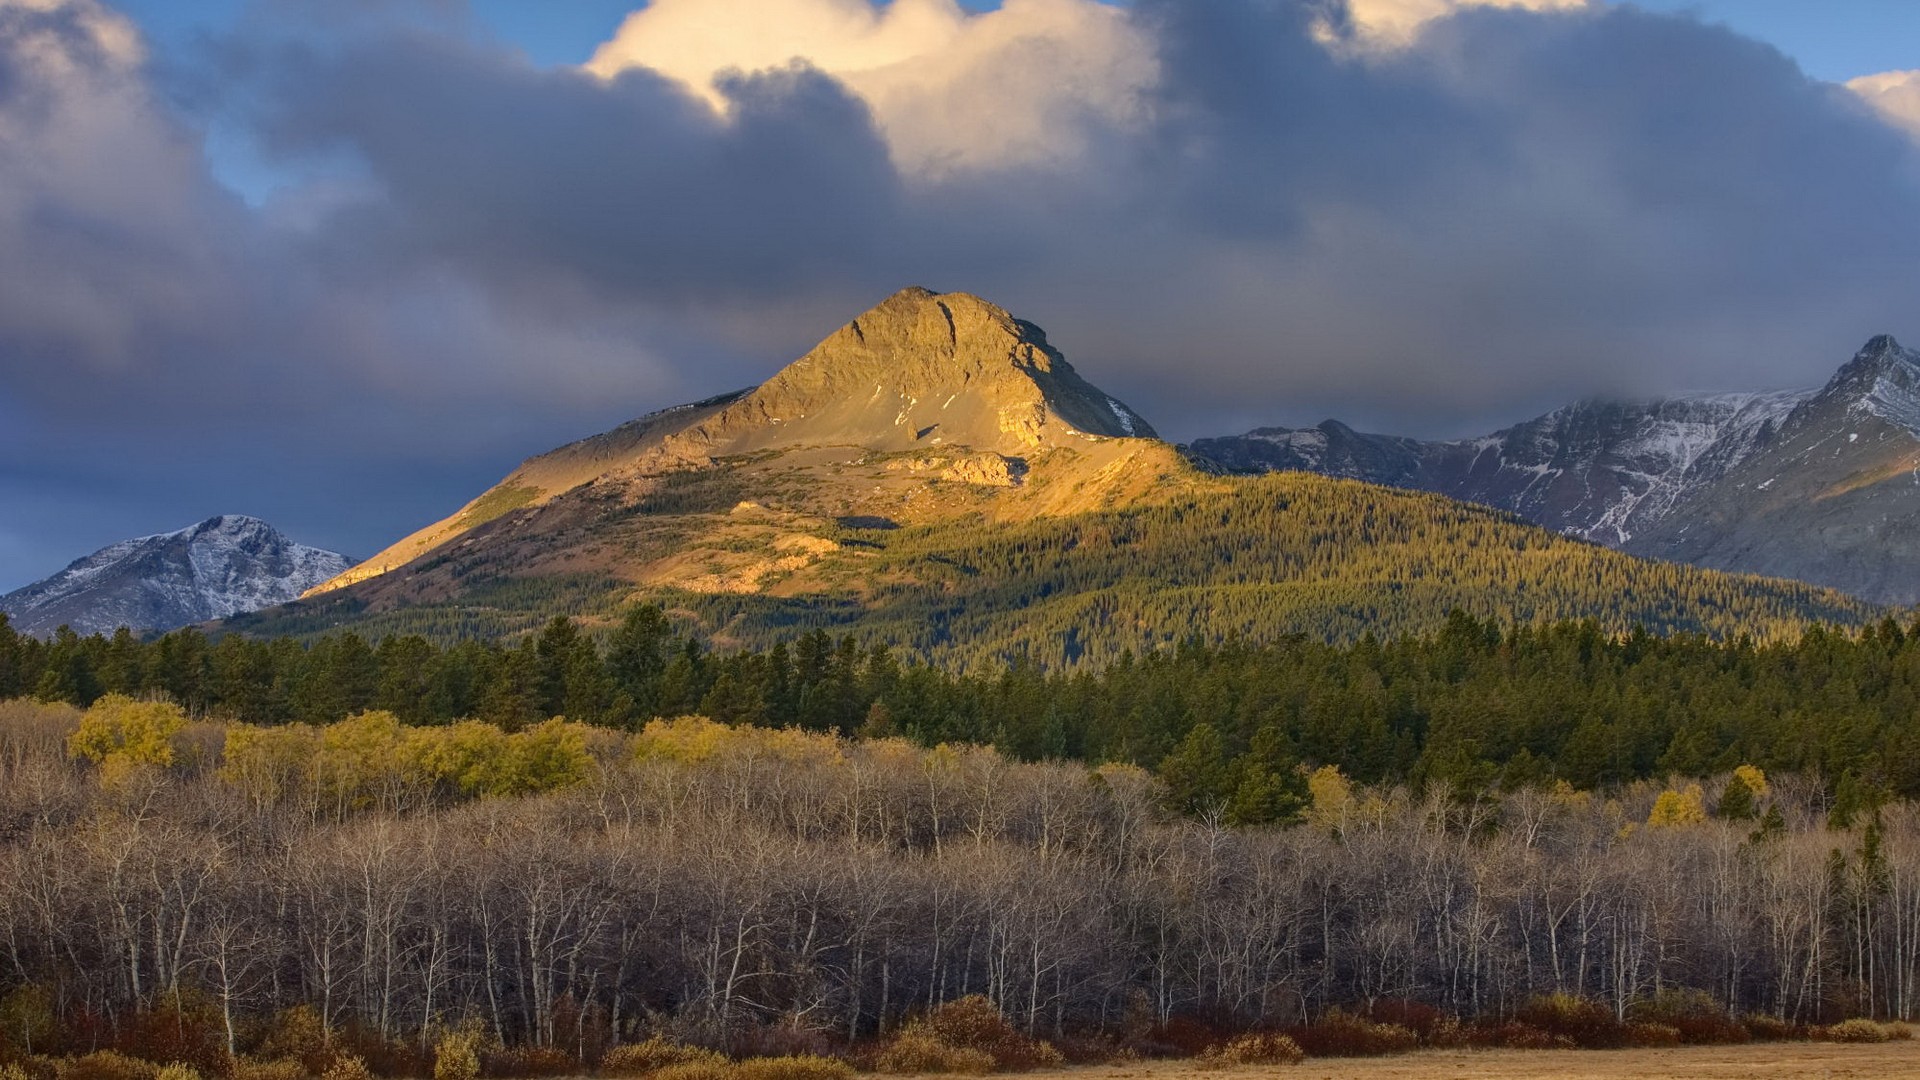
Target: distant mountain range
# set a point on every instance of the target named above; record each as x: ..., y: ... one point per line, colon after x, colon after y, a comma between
x: 221, y: 567
x: 936, y: 475
x: 1821, y: 486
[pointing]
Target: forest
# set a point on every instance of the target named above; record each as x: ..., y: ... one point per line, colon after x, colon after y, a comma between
x: 1472, y: 707
x: 232, y: 895
x: 579, y: 841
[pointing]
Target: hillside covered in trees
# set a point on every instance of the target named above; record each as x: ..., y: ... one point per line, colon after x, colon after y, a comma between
x: 1254, y: 561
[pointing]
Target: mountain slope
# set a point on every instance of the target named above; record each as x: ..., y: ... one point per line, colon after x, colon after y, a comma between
x: 935, y: 475
x: 221, y: 567
x: 926, y: 386
x: 1819, y: 486
x: 1832, y: 497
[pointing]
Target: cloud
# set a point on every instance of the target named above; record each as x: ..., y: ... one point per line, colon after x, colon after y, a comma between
x: 1219, y: 217
x: 1397, y: 23
x: 1895, y: 95
x: 949, y: 90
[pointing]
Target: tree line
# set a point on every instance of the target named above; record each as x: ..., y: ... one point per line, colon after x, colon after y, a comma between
x: 1471, y: 708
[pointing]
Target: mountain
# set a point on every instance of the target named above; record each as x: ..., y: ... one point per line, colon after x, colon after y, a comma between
x: 1830, y: 496
x: 928, y: 406
x: 221, y: 567
x: 937, y: 476
x: 1814, y: 485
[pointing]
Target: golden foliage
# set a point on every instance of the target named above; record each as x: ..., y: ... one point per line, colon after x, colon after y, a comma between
x: 457, y: 1056
x: 1755, y: 780
x: 915, y: 1050
x: 346, y: 1067
x: 118, y: 728
x: 793, y: 1067
x: 656, y: 1053
x: 1676, y: 809
x: 1255, y: 1048
x: 1332, y: 795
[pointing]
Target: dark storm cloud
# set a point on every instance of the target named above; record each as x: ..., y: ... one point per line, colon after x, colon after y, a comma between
x: 1519, y: 209
x: 630, y: 188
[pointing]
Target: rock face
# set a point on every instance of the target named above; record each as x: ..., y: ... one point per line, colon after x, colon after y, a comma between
x: 923, y: 370
x: 924, y: 387
x: 223, y: 566
x: 1831, y: 497
x: 1817, y: 485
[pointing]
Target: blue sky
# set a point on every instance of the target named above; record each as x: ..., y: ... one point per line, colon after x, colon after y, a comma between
x: 1832, y: 39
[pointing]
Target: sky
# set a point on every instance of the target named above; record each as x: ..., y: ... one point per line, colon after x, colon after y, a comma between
x: 342, y: 263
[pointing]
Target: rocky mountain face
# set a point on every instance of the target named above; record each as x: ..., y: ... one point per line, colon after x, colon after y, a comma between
x: 221, y: 567
x: 930, y: 406
x: 1816, y: 485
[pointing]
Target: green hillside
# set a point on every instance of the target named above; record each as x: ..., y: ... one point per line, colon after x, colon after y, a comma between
x: 1256, y: 560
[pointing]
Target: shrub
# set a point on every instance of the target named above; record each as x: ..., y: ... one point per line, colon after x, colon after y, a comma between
x: 1432, y: 1025
x: 185, y: 1028
x: 1586, y: 1024
x: 697, y: 1070
x: 959, y: 1034
x: 35, y: 1068
x: 918, y: 1050
x: 1255, y: 1048
x: 298, y: 1034
x: 1516, y: 1035
x: 1766, y: 1028
x: 1857, y: 1030
x: 277, y: 1069
x: 793, y: 1067
x: 528, y: 1063
x: 12, y: 1070
x: 346, y: 1067
x: 1649, y: 1034
x: 643, y: 1058
x: 1341, y: 1034
x: 177, y: 1071
x: 457, y: 1056
x: 1700, y: 1019
x: 107, y: 1065
x: 1094, y: 1049
x: 974, y: 1022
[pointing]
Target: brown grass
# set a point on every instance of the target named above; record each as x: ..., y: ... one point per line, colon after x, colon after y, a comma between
x: 1898, y: 1060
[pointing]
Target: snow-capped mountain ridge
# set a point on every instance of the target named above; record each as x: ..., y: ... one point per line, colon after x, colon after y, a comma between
x: 1820, y: 484
x: 1882, y: 380
x: 219, y: 567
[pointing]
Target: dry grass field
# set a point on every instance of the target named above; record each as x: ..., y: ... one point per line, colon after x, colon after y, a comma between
x: 1826, y: 1061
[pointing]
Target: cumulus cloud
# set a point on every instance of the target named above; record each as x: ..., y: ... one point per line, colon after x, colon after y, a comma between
x: 1218, y: 216
x: 1396, y: 23
x: 1894, y: 94
x: 1017, y: 86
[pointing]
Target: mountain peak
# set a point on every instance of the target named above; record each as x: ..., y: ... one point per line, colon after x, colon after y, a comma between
x: 219, y: 567
x: 924, y: 369
x: 1879, y: 355
x: 1882, y: 379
